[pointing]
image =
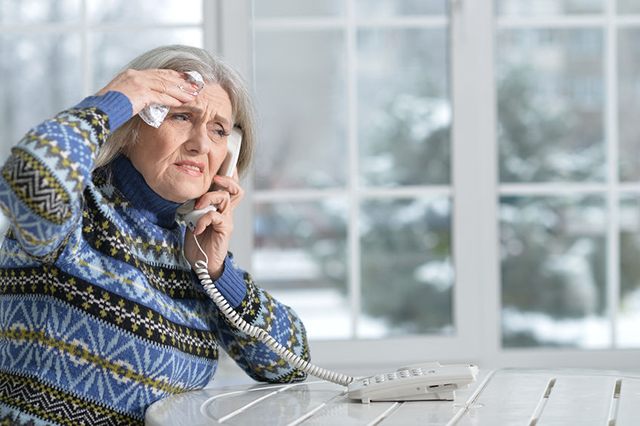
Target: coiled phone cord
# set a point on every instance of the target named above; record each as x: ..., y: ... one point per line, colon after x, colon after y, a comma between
x: 259, y: 333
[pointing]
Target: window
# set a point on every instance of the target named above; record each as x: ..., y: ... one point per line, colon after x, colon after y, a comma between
x: 437, y: 180
x: 352, y: 186
x: 523, y: 201
x: 568, y: 204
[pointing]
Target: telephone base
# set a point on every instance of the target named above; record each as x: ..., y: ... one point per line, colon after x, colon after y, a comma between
x: 434, y: 396
x: 420, y: 382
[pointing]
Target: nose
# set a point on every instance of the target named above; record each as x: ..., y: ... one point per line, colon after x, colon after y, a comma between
x: 198, y: 142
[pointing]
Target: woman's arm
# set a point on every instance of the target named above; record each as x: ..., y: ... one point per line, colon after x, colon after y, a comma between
x: 259, y: 309
x: 42, y: 181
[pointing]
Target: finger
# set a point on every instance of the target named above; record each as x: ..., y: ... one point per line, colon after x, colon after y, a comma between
x: 235, y: 191
x: 181, y: 81
x: 228, y: 184
x: 215, y: 220
x: 166, y: 85
x: 173, y: 98
x: 211, y: 198
x: 202, y: 223
x: 223, y: 206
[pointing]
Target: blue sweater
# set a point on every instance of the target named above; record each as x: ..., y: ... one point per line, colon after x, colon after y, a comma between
x: 100, y: 313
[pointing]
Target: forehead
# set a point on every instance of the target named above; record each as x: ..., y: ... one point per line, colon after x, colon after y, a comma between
x: 212, y: 101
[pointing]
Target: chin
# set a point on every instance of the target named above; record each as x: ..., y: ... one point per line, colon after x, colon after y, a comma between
x: 183, y: 198
x: 180, y: 199
x: 179, y: 195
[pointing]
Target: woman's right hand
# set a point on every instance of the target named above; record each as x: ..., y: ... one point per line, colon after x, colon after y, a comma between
x: 152, y: 86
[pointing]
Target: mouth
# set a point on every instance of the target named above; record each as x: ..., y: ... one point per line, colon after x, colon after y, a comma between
x: 191, y: 168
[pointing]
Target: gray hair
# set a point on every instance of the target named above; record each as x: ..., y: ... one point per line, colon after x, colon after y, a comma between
x: 214, y: 70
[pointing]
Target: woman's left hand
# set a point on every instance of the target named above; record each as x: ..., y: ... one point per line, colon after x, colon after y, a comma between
x: 214, y: 228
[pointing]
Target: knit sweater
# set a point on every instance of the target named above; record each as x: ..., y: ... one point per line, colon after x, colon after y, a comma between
x: 100, y: 312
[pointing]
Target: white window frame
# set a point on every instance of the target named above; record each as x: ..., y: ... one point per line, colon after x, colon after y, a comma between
x: 475, y: 193
x: 475, y: 189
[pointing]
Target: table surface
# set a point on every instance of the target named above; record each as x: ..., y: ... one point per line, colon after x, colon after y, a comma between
x: 501, y: 397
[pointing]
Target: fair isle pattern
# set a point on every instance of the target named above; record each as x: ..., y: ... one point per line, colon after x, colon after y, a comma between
x: 102, y: 304
x: 55, y: 405
x: 141, y: 253
x: 13, y: 419
x: 56, y: 157
x: 12, y: 258
x: 61, y: 154
x: 109, y: 366
x: 37, y: 187
x: 99, y: 312
x: 261, y: 310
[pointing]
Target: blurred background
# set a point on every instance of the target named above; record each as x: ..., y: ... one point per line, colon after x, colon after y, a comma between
x: 435, y: 179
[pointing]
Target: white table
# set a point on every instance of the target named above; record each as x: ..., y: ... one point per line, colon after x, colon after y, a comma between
x: 498, y: 398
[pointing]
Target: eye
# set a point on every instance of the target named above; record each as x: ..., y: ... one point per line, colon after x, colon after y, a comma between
x: 180, y: 117
x: 217, y: 132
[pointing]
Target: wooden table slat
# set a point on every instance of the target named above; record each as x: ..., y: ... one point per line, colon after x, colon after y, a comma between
x: 581, y: 401
x: 628, y: 412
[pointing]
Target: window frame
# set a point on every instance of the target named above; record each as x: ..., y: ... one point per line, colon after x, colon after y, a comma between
x: 464, y: 344
x: 475, y: 192
x: 475, y: 189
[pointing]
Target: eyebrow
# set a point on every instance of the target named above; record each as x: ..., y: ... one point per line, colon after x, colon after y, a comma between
x: 200, y: 111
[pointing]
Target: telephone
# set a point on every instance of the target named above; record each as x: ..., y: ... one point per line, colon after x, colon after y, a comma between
x: 228, y: 167
x: 419, y: 382
x: 430, y: 381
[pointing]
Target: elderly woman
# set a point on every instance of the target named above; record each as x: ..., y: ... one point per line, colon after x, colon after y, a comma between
x: 101, y: 313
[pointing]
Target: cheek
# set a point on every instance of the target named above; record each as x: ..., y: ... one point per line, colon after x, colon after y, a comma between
x: 162, y: 147
x: 216, y: 157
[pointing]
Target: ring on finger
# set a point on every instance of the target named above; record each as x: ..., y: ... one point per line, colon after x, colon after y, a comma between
x: 179, y: 86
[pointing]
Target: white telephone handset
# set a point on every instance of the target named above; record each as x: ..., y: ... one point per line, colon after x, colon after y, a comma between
x: 228, y: 167
x: 424, y: 382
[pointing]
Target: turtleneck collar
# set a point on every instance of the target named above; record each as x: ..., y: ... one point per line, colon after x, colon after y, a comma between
x: 131, y: 183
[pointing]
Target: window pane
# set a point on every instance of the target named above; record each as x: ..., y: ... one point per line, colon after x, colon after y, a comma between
x: 529, y: 8
x: 406, y: 267
x: 42, y: 75
x: 629, y: 103
x: 553, y: 256
x: 551, y: 105
x: 387, y: 8
x: 300, y: 257
x: 25, y: 12
x: 112, y: 51
x: 291, y: 8
x: 146, y: 11
x: 403, y: 106
x: 300, y: 86
x: 628, y: 317
x: 628, y: 6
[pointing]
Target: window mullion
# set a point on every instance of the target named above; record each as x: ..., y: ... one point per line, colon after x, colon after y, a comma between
x: 613, y: 199
x: 87, y: 68
x: 353, y: 237
x: 474, y: 148
x: 234, y: 44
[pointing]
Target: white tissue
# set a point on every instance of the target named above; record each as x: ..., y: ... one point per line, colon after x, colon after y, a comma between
x: 154, y: 114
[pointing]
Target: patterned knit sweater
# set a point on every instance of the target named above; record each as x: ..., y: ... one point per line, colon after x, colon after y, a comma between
x: 100, y: 313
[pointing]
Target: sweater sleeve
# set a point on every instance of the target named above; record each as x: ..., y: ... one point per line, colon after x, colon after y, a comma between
x: 42, y: 181
x: 260, y: 309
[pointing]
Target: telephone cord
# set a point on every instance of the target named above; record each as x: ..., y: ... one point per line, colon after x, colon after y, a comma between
x: 259, y: 333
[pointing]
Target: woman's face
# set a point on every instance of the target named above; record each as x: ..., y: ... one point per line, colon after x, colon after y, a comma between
x: 179, y: 159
